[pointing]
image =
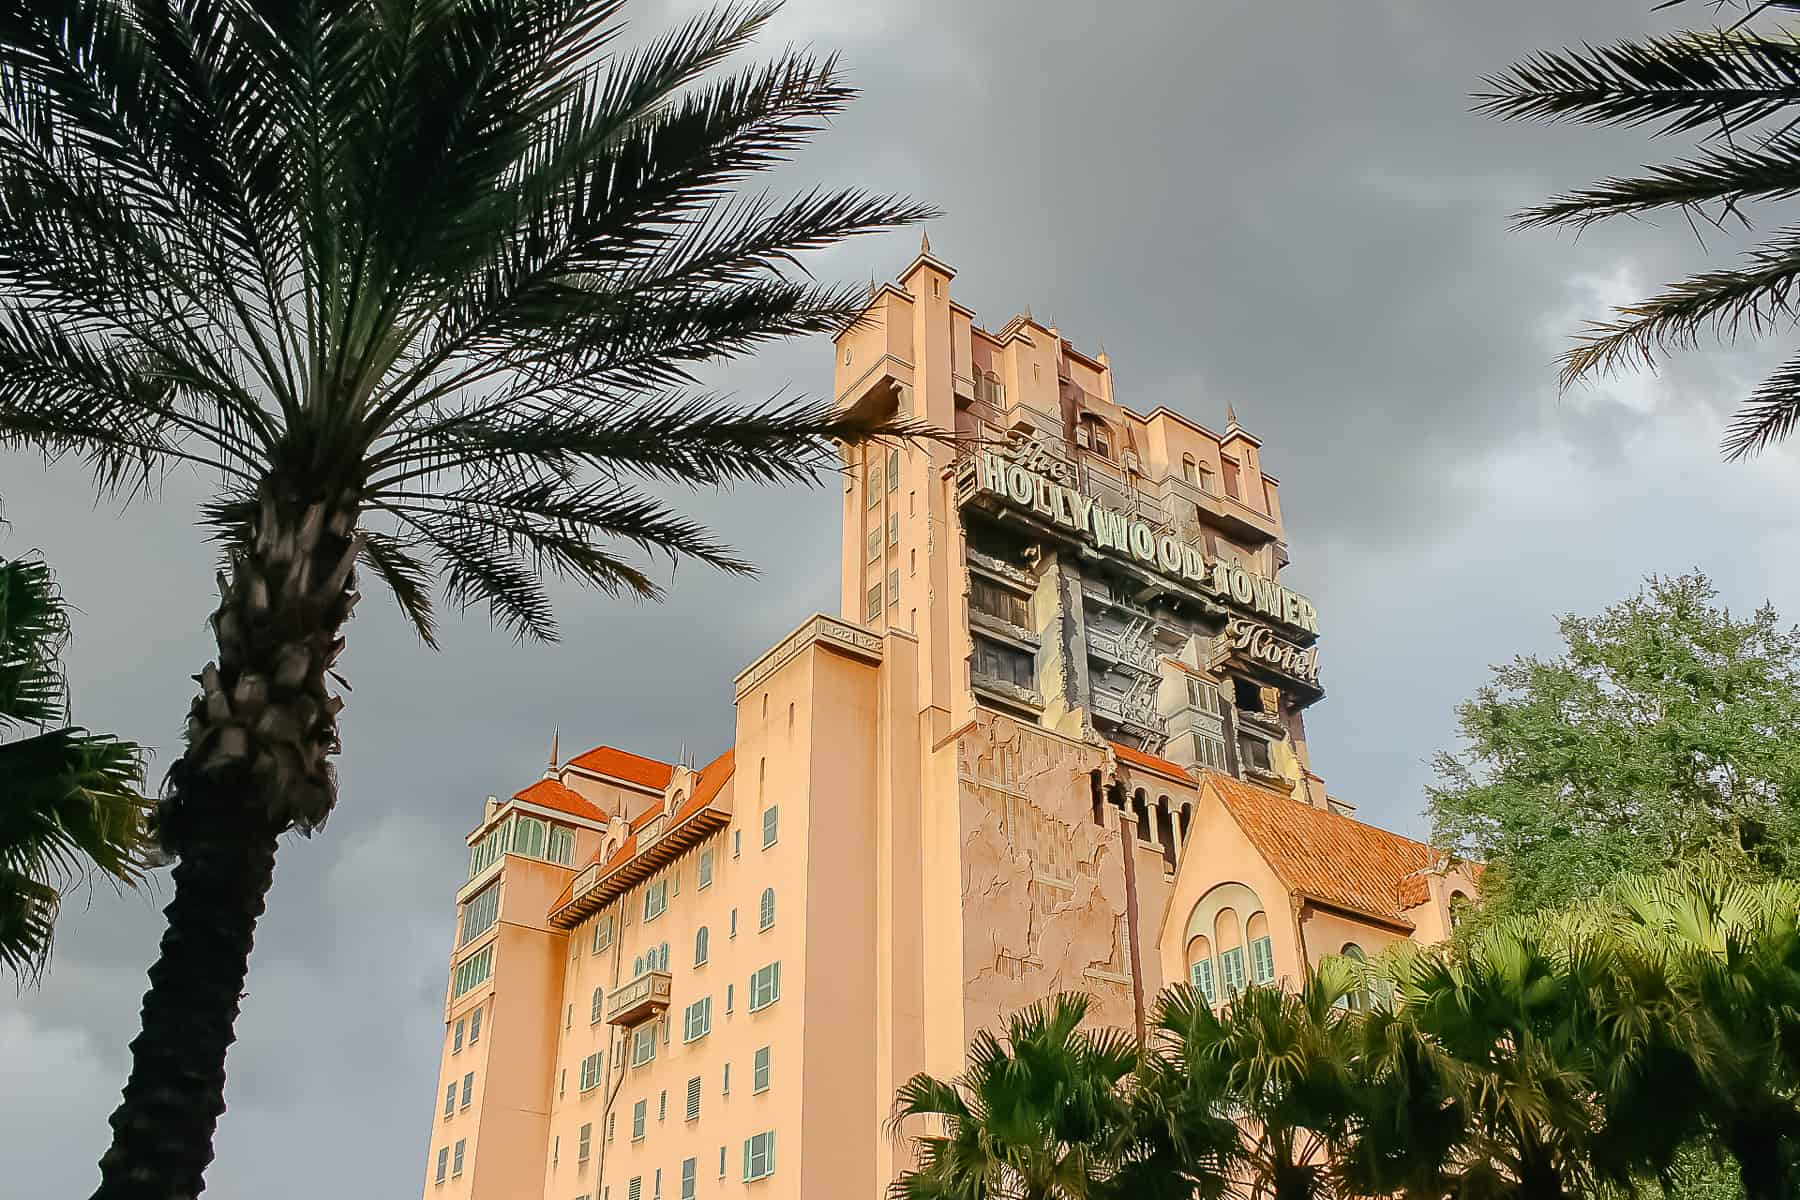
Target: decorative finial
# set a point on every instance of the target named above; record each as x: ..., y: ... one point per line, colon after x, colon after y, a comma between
x: 924, y: 242
x: 1230, y: 415
x: 555, y: 737
x: 1028, y: 315
x: 874, y: 290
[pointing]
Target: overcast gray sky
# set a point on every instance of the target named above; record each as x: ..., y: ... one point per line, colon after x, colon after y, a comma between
x: 1286, y: 207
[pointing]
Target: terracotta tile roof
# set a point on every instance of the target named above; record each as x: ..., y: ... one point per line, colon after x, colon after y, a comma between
x: 623, y: 765
x: 551, y: 794
x: 1414, y: 890
x: 712, y: 778
x: 1150, y: 762
x: 1323, y: 856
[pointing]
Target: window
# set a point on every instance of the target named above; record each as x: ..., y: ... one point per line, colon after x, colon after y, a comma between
x: 1202, y: 975
x: 986, y: 596
x: 637, y: 966
x: 730, y: 991
x: 727, y: 1079
x: 894, y: 529
x: 1206, y: 480
x: 991, y: 660
x: 480, y: 913
x: 1247, y: 696
x: 1358, y: 1000
x: 875, y: 486
x: 705, y: 869
x: 1262, y: 960
x: 475, y: 1025
x: 759, y: 1156
x: 1231, y: 477
x: 456, y: 1157
x: 473, y: 971
x: 765, y: 986
x: 592, y: 1068
x: 562, y: 1082
x: 721, y: 1162
x: 1190, y: 470
x: 612, y: 1125
x: 759, y: 1075
x: 734, y: 922
x: 639, y: 1112
x: 602, y: 934
x: 584, y: 1141
x: 443, y: 1166
x: 635, y: 1189
x: 528, y: 837
x: 468, y: 1088
x: 662, y: 1106
x: 700, y: 946
x: 693, y: 1099
x: 894, y: 588
x: 893, y: 465
x: 1231, y: 966
x: 658, y: 1187
x: 597, y: 1008
x: 561, y: 847
x: 696, y: 1021
x: 1204, y: 696
x: 874, y: 542
x: 643, y: 1045
x: 569, y: 1017
x: 765, y: 910
x: 656, y: 899
x: 874, y: 609
x: 487, y: 851
x: 456, y: 1039
x: 688, y: 1171
x: 662, y: 957
x: 771, y: 825
x: 1209, y: 751
x: 1253, y: 753
x: 450, y: 1098
x: 1101, y: 447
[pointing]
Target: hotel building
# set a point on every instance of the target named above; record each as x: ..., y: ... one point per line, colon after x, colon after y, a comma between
x: 1053, y: 740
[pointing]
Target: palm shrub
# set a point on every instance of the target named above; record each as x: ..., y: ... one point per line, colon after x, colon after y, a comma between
x: 1040, y: 1113
x: 1735, y: 91
x: 1274, y: 1063
x: 69, y: 800
x: 421, y: 283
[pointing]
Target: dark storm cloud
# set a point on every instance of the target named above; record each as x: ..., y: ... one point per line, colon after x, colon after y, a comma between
x: 1283, y: 207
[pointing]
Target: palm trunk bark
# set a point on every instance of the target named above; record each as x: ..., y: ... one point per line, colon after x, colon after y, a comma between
x: 259, y: 740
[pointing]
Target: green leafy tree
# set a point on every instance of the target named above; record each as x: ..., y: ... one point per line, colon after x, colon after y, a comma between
x: 1040, y: 1114
x: 422, y: 283
x: 1735, y: 93
x: 1663, y: 732
x: 69, y: 799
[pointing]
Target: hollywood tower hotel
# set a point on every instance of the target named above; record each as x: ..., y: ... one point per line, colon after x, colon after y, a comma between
x: 1054, y: 739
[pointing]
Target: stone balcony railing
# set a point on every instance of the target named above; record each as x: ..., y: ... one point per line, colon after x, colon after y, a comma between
x: 645, y: 997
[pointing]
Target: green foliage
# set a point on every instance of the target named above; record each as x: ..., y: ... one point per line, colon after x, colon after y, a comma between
x: 1736, y: 92
x: 69, y: 803
x: 1662, y: 733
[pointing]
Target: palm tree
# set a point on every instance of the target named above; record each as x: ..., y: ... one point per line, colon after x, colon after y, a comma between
x: 1731, y: 948
x: 1040, y: 1114
x: 1409, y: 1123
x: 1279, y: 1064
x: 1736, y: 92
x: 70, y: 804
x: 421, y: 282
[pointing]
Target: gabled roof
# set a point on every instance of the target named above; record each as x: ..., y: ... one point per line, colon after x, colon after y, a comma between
x: 551, y: 794
x: 1331, y: 859
x: 626, y: 767
x: 1149, y: 762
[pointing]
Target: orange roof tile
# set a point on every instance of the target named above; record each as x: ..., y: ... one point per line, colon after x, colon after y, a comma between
x: 1326, y: 857
x: 551, y: 794
x: 625, y: 766
x: 1150, y: 762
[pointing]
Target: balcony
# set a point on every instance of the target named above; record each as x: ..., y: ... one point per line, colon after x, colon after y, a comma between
x: 645, y: 997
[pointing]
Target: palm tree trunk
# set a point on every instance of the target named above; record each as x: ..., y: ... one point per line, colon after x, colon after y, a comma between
x: 163, y: 1128
x: 259, y: 740
x: 1762, y: 1167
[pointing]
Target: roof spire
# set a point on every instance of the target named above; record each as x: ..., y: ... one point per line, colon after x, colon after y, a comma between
x: 924, y: 242
x: 1230, y: 415
x: 555, y: 737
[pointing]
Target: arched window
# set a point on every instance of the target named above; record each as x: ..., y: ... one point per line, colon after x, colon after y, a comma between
x: 662, y: 957
x: 1262, y: 950
x: 700, y: 946
x: 766, y: 910
x: 1201, y: 972
x: 1459, y: 908
x: 1358, y: 999
x: 1228, y: 936
x: 1190, y: 470
x: 637, y: 966
x: 599, y: 1006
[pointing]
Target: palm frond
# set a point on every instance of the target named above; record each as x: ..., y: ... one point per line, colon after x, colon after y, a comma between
x: 1770, y: 415
x: 1727, y: 177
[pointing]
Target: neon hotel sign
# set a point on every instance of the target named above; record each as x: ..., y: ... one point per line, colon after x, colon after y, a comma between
x: 1109, y: 529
